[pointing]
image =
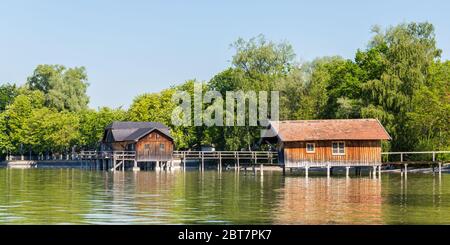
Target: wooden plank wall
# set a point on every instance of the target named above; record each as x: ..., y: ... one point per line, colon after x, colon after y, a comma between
x: 153, y: 152
x: 357, y: 152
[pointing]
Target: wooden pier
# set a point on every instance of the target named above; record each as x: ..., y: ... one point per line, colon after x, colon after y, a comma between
x: 239, y: 158
x: 256, y: 160
x: 119, y: 160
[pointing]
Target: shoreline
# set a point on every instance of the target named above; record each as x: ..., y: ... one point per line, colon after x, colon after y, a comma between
x: 78, y: 164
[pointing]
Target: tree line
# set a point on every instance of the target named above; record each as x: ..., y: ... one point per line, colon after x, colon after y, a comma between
x: 399, y: 78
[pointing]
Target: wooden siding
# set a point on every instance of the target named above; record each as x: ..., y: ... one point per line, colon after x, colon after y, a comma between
x: 148, y: 148
x: 357, y: 153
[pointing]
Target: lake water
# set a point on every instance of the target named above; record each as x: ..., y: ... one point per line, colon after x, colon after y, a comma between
x: 77, y: 196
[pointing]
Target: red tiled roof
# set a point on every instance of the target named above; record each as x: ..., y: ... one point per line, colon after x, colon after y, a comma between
x: 332, y: 129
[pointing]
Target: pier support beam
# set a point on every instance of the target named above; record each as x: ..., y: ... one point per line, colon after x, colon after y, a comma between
x: 374, y: 172
x: 347, y: 171
x: 328, y: 171
x: 202, y: 167
x: 406, y: 170
x: 379, y: 171
x: 135, y: 166
x: 440, y: 167
x: 306, y: 171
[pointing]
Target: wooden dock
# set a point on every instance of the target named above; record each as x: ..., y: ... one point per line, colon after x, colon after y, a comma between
x: 119, y: 160
x: 122, y: 160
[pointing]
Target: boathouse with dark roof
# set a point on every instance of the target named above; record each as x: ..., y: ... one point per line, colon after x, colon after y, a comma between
x: 327, y: 143
x: 151, y: 141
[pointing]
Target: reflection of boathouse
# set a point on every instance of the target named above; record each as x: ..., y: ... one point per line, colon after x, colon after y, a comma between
x: 330, y: 201
x: 321, y: 143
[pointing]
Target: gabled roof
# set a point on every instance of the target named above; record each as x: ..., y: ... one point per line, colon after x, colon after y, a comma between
x: 331, y: 129
x: 133, y: 131
x: 134, y: 125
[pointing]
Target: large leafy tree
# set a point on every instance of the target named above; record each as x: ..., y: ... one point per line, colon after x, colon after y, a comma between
x: 16, y: 120
x: 158, y: 107
x: 257, y: 65
x: 64, y: 88
x: 401, y: 57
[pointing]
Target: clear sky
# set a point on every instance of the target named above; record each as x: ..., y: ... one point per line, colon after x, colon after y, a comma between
x: 132, y: 47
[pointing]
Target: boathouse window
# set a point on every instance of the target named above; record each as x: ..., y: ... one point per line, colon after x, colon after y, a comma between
x: 310, y: 147
x: 338, y: 148
x: 161, y: 147
x: 147, y: 146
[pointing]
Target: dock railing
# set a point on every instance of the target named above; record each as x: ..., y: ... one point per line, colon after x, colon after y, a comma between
x: 429, y: 156
x: 269, y: 156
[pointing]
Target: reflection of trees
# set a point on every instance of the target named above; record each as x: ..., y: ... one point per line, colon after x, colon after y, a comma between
x: 195, y: 197
x: 43, y: 196
x: 320, y: 200
x: 418, y: 199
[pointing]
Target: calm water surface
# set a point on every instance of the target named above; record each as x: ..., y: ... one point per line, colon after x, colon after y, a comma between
x: 76, y: 196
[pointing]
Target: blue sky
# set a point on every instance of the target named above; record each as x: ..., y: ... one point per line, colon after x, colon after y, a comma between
x: 132, y: 47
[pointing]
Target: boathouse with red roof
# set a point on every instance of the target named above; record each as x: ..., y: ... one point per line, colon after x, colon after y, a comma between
x: 327, y: 143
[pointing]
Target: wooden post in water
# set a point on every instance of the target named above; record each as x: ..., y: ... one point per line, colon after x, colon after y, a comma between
x: 374, y: 172
x: 406, y: 170
x: 347, y: 171
x: 220, y: 162
x: 184, y: 163
x: 135, y: 166
x: 328, y: 171
x: 203, y: 162
x: 306, y: 171
x: 255, y: 163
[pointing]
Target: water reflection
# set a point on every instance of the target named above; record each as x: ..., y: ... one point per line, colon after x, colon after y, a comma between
x: 322, y: 200
x: 60, y: 196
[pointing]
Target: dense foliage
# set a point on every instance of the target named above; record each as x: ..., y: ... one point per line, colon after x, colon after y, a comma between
x: 399, y: 79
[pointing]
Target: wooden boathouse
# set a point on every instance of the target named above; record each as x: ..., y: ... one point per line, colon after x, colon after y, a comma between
x: 327, y: 143
x: 148, y: 141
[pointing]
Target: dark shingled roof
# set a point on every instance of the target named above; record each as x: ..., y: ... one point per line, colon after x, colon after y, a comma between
x: 331, y: 129
x: 133, y: 131
x: 135, y: 125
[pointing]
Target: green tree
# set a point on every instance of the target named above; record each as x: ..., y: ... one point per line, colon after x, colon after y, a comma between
x: 17, y: 120
x: 64, y: 88
x: 7, y: 94
x: 93, y: 123
x: 402, y: 57
x: 158, y: 107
